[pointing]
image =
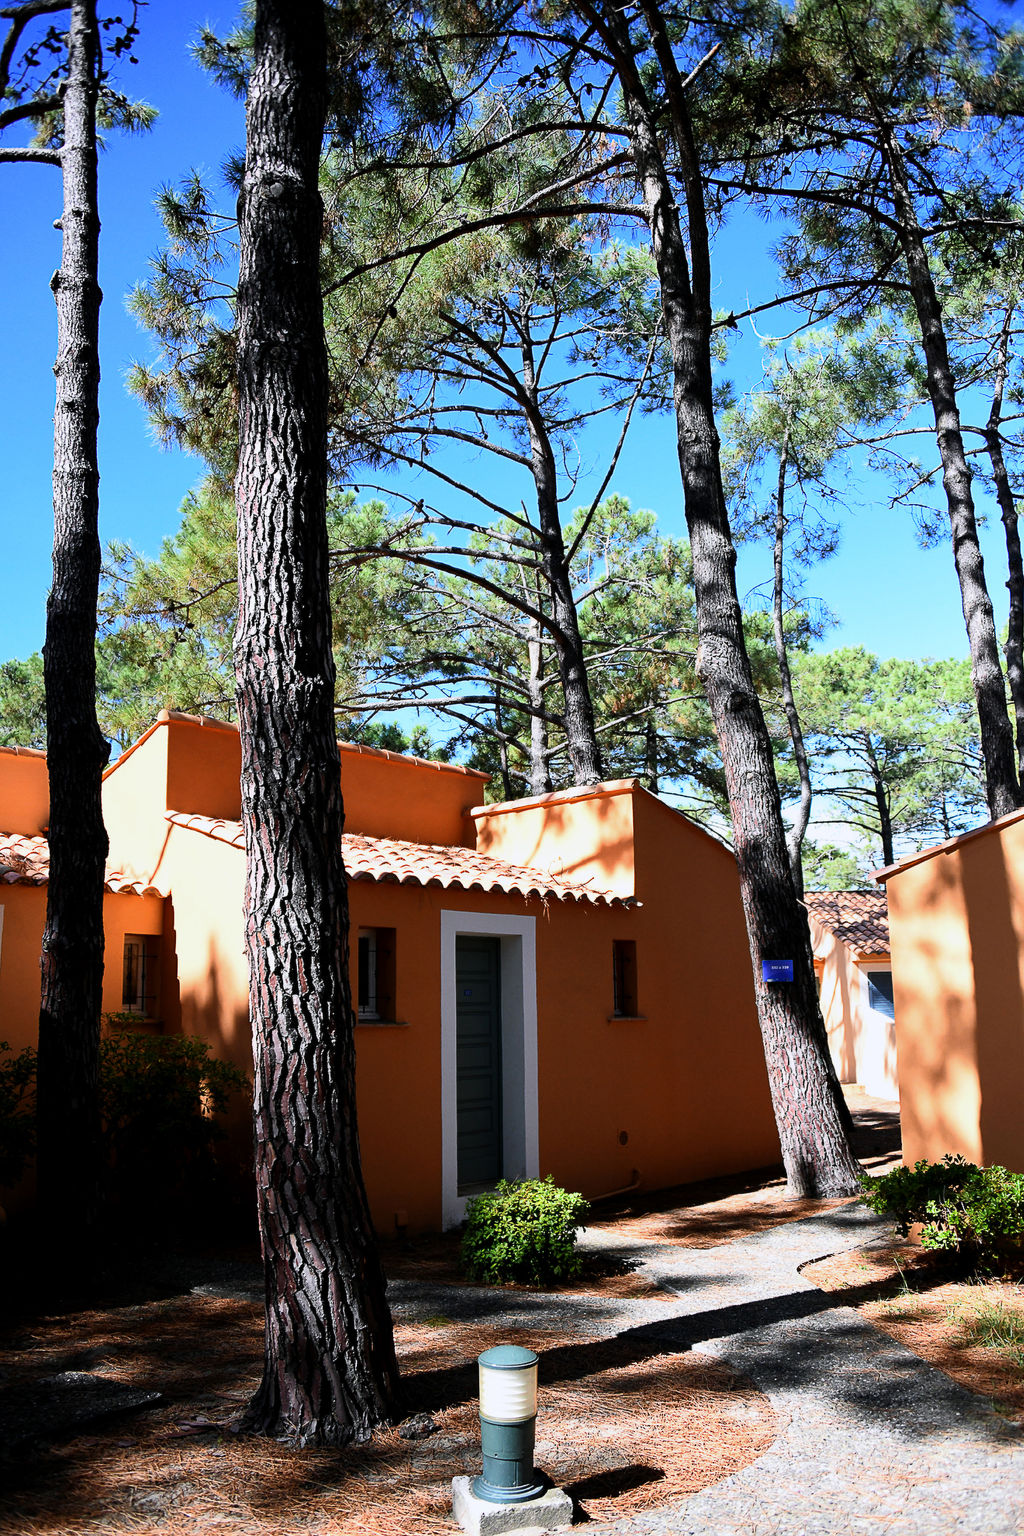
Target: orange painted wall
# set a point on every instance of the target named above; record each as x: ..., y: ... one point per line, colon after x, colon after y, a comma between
x: 956, y: 922
x: 583, y: 835
x: 134, y: 802
x: 24, y: 908
x: 20, y: 946
x: 184, y: 763
x: 24, y: 791
x: 388, y: 795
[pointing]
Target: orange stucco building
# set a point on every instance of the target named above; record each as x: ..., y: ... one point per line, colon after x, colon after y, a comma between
x: 559, y: 985
x: 956, y: 921
x: 850, y: 942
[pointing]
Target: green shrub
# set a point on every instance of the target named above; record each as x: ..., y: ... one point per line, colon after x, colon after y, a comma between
x: 523, y: 1230
x: 17, y: 1111
x: 974, y: 1214
x: 160, y: 1098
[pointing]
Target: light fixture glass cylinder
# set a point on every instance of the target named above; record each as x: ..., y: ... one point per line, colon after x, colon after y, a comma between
x: 508, y: 1384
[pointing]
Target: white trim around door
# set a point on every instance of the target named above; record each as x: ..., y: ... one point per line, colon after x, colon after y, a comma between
x: 520, y: 1140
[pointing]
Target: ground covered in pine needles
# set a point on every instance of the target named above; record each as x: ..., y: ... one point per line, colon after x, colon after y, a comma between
x: 973, y: 1330
x: 623, y: 1431
x: 620, y: 1432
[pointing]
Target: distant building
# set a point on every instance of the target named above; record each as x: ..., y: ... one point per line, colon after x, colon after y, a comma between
x: 850, y: 940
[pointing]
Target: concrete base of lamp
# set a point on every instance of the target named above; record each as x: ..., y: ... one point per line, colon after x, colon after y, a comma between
x: 551, y: 1512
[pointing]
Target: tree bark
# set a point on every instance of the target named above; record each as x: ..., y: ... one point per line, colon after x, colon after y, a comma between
x: 72, y: 950
x: 795, y: 837
x: 1001, y: 779
x: 879, y: 790
x: 1014, y: 648
x: 810, y: 1111
x: 651, y: 764
x: 540, y: 769
x: 580, y: 726
x: 329, y: 1369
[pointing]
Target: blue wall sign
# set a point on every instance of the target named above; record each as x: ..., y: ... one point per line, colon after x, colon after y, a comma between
x: 776, y: 970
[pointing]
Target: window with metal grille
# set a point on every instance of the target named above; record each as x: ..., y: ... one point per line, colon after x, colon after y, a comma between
x: 138, y: 976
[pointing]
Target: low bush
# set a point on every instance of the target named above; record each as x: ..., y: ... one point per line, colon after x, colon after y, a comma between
x: 976, y: 1215
x: 17, y: 1111
x: 161, y: 1097
x: 523, y: 1230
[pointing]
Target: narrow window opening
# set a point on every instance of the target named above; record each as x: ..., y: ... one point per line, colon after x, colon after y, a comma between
x: 139, y: 975
x: 880, y: 995
x: 624, y: 994
x: 376, y: 975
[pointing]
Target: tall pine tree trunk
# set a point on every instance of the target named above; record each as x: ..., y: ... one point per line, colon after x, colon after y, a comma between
x: 580, y: 725
x: 795, y: 839
x: 540, y: 770
x: 1014, y: 648
x: 72, y: 950
x: 1001, y: 781
x: 329, y: 1371
x: 810, y: 1111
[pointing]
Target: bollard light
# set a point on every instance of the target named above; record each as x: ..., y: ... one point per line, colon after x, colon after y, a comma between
x: 508, y: 1419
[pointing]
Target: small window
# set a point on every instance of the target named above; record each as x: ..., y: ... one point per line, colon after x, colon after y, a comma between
x: 139, y: 975
x: 880, y: 999
x: 624, y: 978
x: 376, y: 974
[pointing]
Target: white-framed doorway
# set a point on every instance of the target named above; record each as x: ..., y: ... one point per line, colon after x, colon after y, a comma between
x: 520, y: 1128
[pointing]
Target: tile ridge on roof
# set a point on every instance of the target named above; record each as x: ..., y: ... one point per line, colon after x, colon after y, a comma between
x: 475, y: 866
x: 36, y: 847
x: 25, y: 752
x: 409, y: 757
x: 605, y: 788
x: 881, y: 875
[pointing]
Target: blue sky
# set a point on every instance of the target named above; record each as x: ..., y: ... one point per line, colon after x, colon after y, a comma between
x: 890, y: 596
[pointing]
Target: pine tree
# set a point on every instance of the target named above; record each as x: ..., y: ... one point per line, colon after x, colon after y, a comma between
x: 329, y: 1367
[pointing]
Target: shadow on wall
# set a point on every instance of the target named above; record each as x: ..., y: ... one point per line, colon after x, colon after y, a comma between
x: 935, y: 1040
x: 995, y: 944
x: 578, y: 844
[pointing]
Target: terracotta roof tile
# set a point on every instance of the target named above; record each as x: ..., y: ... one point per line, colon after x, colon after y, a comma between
x: 26, y: 861
x: 858, y: 918
x: 388, y: 859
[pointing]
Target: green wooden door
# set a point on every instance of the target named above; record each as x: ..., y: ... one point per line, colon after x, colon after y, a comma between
x: 478, y: 1061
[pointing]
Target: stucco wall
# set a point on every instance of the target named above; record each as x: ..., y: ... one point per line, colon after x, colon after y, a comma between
x: 956, y: 921
x: 24, y: 791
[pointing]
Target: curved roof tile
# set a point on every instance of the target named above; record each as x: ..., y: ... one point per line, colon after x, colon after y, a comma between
x: 858, y: 918
x: 26, y: 861
x: 392, y: 861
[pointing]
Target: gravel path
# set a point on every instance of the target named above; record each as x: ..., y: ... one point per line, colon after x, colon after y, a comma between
x: 875, y: 1441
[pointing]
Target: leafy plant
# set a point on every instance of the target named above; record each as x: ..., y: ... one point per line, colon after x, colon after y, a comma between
x: 974, y: 1214
x: 524, y: 1230
x: 160, y: 1099
x: 17, y: 1111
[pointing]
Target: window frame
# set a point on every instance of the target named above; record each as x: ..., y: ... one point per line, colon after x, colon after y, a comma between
x: 625, y: 992
x: 379, y: 1006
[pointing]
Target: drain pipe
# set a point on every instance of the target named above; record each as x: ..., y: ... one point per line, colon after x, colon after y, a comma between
x: 612, y: 1194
